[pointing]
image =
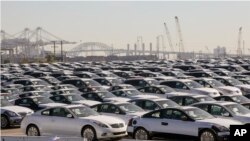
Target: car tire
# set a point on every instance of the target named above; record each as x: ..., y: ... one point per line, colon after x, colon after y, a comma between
x: 89, y: 134
x: 141, y: 134
x: 4, y: 121
x: 32, y: 130
x: 207, y: 135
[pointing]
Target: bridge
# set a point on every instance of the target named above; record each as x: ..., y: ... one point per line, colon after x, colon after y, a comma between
x: 92, y: 48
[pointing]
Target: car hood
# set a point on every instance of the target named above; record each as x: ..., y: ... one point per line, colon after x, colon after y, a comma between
x: 51, y: 104
x: 17, y: 109
x: 86, y: 102
x: 244, y: 86
x: 144, y: 96
x: 212, y: 92
x: 116, y: 99
x: 243, y: 118
x: 104, y: 119
x: 230, y: 90
x: 137, y: 113
x: 222, y: 121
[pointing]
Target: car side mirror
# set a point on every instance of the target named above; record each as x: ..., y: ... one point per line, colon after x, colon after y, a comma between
x: 226, y: 114
x: 69, y: 116
x: 184, y: 118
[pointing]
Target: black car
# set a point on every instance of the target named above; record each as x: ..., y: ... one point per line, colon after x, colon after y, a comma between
x: 35, y: 102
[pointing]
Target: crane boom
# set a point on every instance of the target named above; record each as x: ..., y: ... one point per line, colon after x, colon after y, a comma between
x: 169, y: 37
x: 180, y: 34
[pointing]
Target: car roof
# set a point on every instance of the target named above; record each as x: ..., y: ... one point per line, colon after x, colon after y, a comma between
x: 216, y: 102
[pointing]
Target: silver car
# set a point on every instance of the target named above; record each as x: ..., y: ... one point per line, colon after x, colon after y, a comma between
x: 73, y: 120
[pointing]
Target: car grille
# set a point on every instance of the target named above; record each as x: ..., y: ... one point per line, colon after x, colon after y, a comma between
x: 22, y: 114
x: 117, y: 125
x: 119, y: 133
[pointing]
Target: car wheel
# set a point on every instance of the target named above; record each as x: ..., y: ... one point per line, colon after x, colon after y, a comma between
x: 207, y: 136
x: 32, y: 130
x: 141, y: 134
x: 4, y: 122
x: 88, y: 133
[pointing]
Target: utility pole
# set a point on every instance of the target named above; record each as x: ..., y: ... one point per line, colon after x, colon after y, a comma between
x: 62, y: 51
x: 239, y: 50
x: 54, y: 50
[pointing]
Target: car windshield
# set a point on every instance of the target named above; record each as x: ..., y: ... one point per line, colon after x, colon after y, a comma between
x: 193, y: 84
x: 106, y: 95
x: 240, y: 99
x: 237, y: 109
x: 167, y: 89
x: 115, y: 81
x: 205, y: 98
x: 70, y: 91
x: 51, y: 79
x: 92, y: 83
x: 83, y: 112
x: 153, y: 82
x: 198, y: 114
x: 215, y: 83
x: 159, y: 74
x: 132, y: 92
x: 130, y: 108
x: 234, y: 81
x: 110, y: 75
x: 74, y: 97
x: 213, y: 74
x: 39, y: 82
x: 5, y: 103
x: 42, y: 100
x: 167, y: 103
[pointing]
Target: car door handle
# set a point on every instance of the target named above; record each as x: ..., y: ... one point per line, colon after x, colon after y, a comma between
x: 164, y: 123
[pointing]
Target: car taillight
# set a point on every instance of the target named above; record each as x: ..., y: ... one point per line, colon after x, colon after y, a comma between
x: 130, y: 122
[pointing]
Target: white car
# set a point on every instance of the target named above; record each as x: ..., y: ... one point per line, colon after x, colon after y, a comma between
x: 226, y: 109
x: 153, y: 103
x: 132, y: 94
x: 190, y: 86
x: 73, y: 120
x: 224, y: 90
x: 12, y: 115
x: 181, y: 123
x: 73, y: 99
x: 123, y: 110
x: 229, y: 81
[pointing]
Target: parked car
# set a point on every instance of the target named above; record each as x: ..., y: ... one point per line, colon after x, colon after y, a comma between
x: 153, y: 103
x: 190, y: 86
x: 12, y: 115
x: 36, y: 102
x: 180, y: 122
x: 123, y: 110
x: 73, y: 99
x: 212, y: 83
x: 226, y: 109
x: 188, y: 99
x: 73, y: 120
x: 229, y: 81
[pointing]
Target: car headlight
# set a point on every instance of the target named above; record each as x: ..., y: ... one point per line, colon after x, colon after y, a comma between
x: 101, y: 124
x: 11, y: 114
x: 219, y: 128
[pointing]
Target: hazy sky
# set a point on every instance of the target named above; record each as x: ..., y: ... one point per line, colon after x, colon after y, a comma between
x: 118, y: 23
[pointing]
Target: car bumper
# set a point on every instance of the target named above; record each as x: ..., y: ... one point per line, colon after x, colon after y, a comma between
x: 111, y: 133
x: 15, y: 120
x: 223, y: 136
